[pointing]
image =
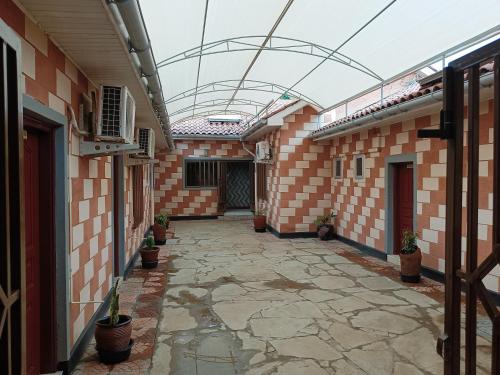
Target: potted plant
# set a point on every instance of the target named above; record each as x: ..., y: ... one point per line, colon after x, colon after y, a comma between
x: 410, y: 258
x: 259, y: 220
x: 160, y: 227
x: 149, y: 253
x: 112, y: 333
x: 325, y: 227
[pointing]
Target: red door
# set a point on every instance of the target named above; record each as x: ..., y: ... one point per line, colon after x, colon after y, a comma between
x: 32, y: 230
x: 403, y: 202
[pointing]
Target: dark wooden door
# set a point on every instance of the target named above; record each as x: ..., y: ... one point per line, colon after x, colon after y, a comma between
x: 32, y: 238
x: 403, y: 202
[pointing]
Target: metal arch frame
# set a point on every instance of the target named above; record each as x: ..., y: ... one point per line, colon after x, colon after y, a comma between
x: 218, y: 102
x: 249, y: 85
x: 214, y: 112
x: 239, y: 44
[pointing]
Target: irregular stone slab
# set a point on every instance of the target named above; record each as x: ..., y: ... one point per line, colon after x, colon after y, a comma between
x: 374, y: 362
x: 354, y: 270
x: 308, y: 367
x: 306, y: 347
x: 236, y: 314
x: 161, y: 360
x: 416, y: 298
x: 184, y: 276
x: 176, y: 319
x: 379, y: 283
x: 309, y: 259
x: 401, y: 368
x: 343, y: 367
x: 249, y: 342
x: 332, y: 282
x: 293, y: 270
x: 410, y: 311
x: 379, y: 298
x: 384, y: 321
x: 278, y: 327
x: 316, y: 295
x: 302, y: 309
x: 335, y: 259
x: 227, y: 292
x: 350, y: 338
x: 422, y: 353
x: 197, y: 292
x: 348, y: 304
x: 181, y: 263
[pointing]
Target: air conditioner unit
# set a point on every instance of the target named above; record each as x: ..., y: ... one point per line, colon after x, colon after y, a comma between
x: 116, y: 115
x: 145, y: 137
x: 263, y: 151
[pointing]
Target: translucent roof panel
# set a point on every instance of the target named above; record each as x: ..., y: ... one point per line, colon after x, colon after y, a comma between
x: 221, y: 56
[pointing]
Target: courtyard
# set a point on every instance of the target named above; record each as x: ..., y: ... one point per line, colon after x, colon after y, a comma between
x: 240, y: 302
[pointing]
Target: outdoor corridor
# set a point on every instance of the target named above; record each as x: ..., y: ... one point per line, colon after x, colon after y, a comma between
x: 240, y: 302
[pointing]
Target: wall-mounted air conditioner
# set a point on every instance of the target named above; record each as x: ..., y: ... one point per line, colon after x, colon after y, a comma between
x: 116, y: 115
x: 145, y: 138
x: 263, y: 151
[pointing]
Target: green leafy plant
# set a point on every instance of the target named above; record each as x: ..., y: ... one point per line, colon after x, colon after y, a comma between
x: 323, y: 220
x: 150, y: 242
x: 114, y: 307
x: 409, y: 242
x: 162, y: 219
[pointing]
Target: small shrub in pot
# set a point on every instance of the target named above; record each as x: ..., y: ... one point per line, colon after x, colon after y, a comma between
x: 112, y: 333
x: 325, y: 227
x: 160, y: 227
x: 410, y: 258
x: 149, y: 253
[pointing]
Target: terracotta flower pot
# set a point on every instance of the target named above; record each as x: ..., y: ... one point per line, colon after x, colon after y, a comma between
x: 410, y: 266
x: 259, y: 223
x: 325, y: 232
x: 113, y: 338
x: 160, y: 234
x: 149, y: 257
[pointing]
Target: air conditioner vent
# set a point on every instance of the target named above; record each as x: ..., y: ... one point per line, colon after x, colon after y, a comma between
x: 116, y: 115
x: 146, y: 141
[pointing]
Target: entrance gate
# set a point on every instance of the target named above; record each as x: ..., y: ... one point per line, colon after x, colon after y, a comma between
x: 452, y: 129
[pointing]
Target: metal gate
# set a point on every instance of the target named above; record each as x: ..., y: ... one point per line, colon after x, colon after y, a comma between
x: 12, y: 324
x: 452, y: 129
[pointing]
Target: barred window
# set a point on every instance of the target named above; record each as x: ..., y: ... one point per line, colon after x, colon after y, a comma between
x: 137, y: 195
x: 359, y: 166
x: 338, y: 168
x: 200, y: 173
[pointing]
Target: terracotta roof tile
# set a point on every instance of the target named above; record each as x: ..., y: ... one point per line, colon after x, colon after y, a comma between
x: 203, y: 126
x: 412, y: 92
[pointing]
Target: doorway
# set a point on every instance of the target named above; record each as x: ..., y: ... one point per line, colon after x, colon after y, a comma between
x: 403, y: 202
x: 238, y: 185
x: 40, y: 249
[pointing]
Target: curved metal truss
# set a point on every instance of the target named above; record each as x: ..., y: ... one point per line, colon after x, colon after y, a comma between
x: 233, y: 84
x: 243, y: 114
x: 281, y: 44
x: 219, y: 102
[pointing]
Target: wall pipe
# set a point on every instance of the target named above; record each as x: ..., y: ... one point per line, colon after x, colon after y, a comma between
x: 128, y: 16
x: 356, y: 124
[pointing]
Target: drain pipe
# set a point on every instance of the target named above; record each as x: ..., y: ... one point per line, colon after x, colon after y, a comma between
x: 128, y: 16
x: 255, y: 203
x: 357, y: 124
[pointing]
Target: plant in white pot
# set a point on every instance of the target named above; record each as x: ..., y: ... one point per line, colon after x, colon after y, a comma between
x: 410, y: 258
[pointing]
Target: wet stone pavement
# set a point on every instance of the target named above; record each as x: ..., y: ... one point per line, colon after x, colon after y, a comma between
x: 227, y: 300
x: 240, y: 302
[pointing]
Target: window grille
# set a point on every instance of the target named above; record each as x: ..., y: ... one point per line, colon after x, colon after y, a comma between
x: 201, y: 173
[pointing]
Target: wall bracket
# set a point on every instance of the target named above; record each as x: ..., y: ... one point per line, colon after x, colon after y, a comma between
x: 107, y: 148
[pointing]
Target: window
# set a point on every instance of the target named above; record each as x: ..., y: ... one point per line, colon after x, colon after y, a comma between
x: 359, y: 166
x: 200, y: 173
x: 261, y: 181
x: 337, y: 168
x: 137, y: 195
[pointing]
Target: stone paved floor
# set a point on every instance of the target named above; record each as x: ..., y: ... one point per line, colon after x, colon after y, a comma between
x: 243, y: 302
x: 227, y: 300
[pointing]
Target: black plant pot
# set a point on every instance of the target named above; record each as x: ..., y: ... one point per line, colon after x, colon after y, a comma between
x: 160, y: 242
x: 111, y: 357
x: 325, y: 232
x: 149, y: 264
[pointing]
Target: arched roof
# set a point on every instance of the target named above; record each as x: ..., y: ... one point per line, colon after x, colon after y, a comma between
x: 232, y: 56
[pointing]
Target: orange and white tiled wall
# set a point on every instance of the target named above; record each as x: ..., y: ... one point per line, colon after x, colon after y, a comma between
x: 170, y: 195
x: 299, y: 178
x: 360, y: 203
x: 51, y: 78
